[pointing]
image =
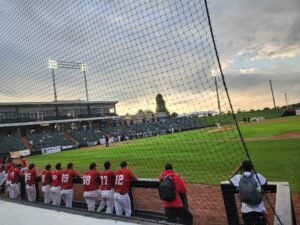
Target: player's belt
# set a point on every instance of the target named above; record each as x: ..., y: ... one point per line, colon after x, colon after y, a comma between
x: 122, y: 193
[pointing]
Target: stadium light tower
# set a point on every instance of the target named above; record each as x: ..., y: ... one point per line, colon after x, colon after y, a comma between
x: 214, y: 73
x: 52, y: 64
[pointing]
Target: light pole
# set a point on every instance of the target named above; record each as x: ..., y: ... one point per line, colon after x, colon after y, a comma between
x: 271, y: 86
x: 83, y: 68
x: 52, y: 64
x: 215, y: 74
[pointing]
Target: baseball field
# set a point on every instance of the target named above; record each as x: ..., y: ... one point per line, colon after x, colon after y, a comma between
x: 205, y: 156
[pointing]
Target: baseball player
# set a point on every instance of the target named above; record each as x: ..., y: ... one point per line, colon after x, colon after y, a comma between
x: 91, y: 192
x: 107, y: 184
x: 8, y: 189
x: 67, y: 185
x: 46, y: 181
x: 8, y: 165
x: 122, y: 186
x: 2, y: 176
x: 56, y: 185
x: 15, y: 176
x: 24, y: 163
x: 30, y: 183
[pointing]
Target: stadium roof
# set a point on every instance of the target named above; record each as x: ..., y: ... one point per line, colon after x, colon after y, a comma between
x: 57, y: 121
x: 67, y: 102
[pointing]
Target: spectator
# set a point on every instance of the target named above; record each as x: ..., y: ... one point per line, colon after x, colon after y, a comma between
x: 249, y: 119
x: 46, y: 183
x: 107, y: 183
x: 56, y: 185
x: 124, y: 176
x: 245, y: 120
x: 177, y: 209
x: 30, y: 183
x: 253, y: 214
x: 67, y: 185
x: 91, y: 192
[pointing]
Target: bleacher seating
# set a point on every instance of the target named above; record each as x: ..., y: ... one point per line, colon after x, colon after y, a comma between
x: 86, y: 136
x: 12, y: 142
x: 49, y: 138
x: 52, y: 138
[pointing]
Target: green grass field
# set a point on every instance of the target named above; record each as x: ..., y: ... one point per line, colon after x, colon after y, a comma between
x: 205, y: 156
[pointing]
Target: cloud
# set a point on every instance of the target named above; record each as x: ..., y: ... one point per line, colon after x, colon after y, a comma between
x: 273, y: 52
x: 136, y: 49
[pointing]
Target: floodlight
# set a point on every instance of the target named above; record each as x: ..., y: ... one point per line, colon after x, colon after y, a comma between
x: 83, y: 67
x: 52, y: 64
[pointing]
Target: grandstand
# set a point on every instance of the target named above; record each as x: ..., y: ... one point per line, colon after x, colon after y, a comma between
x: 37, y: 127
x: 17, y: 112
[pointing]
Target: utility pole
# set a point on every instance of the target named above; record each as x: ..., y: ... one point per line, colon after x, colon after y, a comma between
x: 272, y: 94
x: 286, y: 100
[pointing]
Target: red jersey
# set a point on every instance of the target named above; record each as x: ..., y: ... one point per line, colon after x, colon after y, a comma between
x: 9, y: 174
x: 90, y: 180
x: 123, y: 178
x: 67, y: 179
x: 30, y: 176
x: 107, y: 180
x: 8, y: 167
x: 180, y: 187
x: 56, y: 178
x: 24, y: 163
x: 46, y: 177
x: 15, y: 175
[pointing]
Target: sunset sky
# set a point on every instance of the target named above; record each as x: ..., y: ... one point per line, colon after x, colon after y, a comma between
x: 136, y: 49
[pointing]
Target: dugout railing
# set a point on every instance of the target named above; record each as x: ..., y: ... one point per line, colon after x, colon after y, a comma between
x: 143, y: 215
x: 283, y: 214
x: 283, y: 205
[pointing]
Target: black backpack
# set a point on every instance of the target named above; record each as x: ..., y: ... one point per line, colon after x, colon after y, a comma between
x: 250, y: 192
x: 167, y: 189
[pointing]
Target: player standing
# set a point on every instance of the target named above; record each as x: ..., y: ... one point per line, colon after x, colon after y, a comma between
x: 124, y: 176
x: 30, y: 183
x: 56, y: 185
x: 46, y: 183
x: 24, y: 163
x: 107, y: 184
x: 15, y: 175
x: 67, y: 185
x: 8, y: 188
x: 91, y: 192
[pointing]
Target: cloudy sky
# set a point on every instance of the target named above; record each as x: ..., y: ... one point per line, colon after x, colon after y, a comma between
x: 259, y: 41
x: 136, y: 49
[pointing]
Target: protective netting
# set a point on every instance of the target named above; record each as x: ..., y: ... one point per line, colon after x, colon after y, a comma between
x: 153, y: 84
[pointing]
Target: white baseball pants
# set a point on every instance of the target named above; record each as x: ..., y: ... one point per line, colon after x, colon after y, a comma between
x: 31, y: 192
x: 107, y: 199
x: 67, y: 196
x: 91, y: 197
x: 55, y: 195
x: 122, y: 203
x: 47, y: 197
x: 14, y: 192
